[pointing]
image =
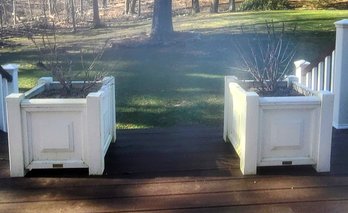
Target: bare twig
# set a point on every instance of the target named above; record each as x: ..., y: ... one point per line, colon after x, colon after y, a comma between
x: 266, y: 56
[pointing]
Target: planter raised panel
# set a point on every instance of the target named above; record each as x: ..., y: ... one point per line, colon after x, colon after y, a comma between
x: 60, y: 133
x: 274, y: 131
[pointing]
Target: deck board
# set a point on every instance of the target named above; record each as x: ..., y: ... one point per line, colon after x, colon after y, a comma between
x: 187, y: 169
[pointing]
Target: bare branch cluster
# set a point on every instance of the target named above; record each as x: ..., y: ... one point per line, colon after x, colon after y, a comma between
x: 58, y: 62
x: 266, y: 56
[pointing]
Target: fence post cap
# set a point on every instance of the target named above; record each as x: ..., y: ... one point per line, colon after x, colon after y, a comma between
x: 342, y: 23
x: 10, y: 66
x: 45, y: 80
x: 301, y: 63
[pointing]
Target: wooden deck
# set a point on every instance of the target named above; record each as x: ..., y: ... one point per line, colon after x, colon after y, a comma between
x: 188, y: 169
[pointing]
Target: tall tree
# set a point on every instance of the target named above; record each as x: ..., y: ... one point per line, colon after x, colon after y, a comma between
x: 232, y: 5
x: 130, y: 6
x: 162, y: 23
x: 96, y: 17
x: 105, y: 4
x: 195, y: 6
x: 139, y: 7
x: 67, y: 10
x: 14, y: 12
x: 214, y: 6
x: 72, y: 6
x: 81, y: 7
x: 30, y: 10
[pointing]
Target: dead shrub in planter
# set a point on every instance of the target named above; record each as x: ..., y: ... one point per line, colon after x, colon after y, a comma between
x: 57, y: 60
x: 266, y: 54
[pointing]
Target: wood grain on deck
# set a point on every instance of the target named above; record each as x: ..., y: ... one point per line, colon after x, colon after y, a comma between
x: 187, y: 169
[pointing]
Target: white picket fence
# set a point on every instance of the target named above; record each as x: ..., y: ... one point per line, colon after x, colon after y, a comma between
x: 7, y: 87
x: 320, y: 77
x: 331, y: 75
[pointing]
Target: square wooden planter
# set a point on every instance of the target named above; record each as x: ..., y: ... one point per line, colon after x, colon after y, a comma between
x: 272, y: 131
x: 60, y: 133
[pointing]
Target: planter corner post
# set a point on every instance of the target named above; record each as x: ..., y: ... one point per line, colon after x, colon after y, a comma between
x: 16, y: 143
x: 248, y: 160
x: 323, y: 154
x: 95, y: 158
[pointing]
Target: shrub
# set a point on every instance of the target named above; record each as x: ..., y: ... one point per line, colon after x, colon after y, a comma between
x: 265, y: 5
x: 316, y: 4
x: 266, y: 56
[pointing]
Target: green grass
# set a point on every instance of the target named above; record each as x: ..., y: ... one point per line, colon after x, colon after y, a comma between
x: 180, y: 83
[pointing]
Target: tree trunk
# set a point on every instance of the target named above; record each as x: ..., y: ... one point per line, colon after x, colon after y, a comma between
x: 126, y: 7
x: 72, y: 6
x: 214, y: 7
x: 81, y: 7
x: 132, y: 6
x: 232, y: 5
x: 105, y: 4
x: 30, y: 10
x: 1, y: 18
x: 14, y: 12
x: 67, y: 11
x: 195, y: 6
x: 162, y: 24
x: 49, y: 3
x: 3, y: 14
x: 96, y: 18
x: 139, y: 7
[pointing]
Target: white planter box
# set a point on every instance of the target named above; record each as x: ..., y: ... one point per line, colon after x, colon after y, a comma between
x: 272, y: 131
x: 60, y: 133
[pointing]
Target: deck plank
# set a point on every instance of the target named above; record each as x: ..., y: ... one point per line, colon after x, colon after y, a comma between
x: 186, y: 169
x: 192, y: 200
x: 96, y: 190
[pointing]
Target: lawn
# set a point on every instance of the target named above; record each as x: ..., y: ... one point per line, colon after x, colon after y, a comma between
x: 180, y: 82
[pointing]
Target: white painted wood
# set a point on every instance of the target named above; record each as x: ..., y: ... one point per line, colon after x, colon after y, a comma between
x: 333, y: 61
x: 320, y: 76
x: 322, y: 150
x: 300, y: 66
x: 62, y: 133
x: 315, y: 79
x: 2, y: 106
x: 327, y: 73
x: 241, y: 125
x: 5, y: 89
x: 95, y: 153
x: 12, y: 69
x: 340, y: 119
x: 16, y: 146
x: 285, y: 130
x: 309, y: 80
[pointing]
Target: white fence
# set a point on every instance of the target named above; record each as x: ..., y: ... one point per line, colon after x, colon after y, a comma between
x: 331, y: 75
x: 7, y: 86
x: 318, y: 78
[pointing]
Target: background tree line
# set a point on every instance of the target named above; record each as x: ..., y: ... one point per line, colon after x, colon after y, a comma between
x: 82, y: 12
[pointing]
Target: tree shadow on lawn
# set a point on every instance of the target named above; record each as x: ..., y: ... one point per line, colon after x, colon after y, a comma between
x: 180, y: 75
x: 190, y: 62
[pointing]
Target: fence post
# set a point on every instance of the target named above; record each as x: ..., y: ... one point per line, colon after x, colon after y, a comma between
x: 300, y: 66
x: 12, y: 69
x: 7, y: 88
x: 340, y: 117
